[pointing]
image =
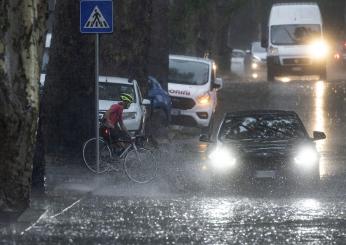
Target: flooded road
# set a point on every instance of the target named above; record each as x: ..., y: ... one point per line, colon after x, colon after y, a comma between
x: 81, y: 210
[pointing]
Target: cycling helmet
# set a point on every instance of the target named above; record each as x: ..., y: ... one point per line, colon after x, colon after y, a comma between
x: 126, y: 98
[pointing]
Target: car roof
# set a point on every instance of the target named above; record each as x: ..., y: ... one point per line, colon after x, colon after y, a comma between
x: 120, y: 80
x: 260, y: 113
x: 190, y: 58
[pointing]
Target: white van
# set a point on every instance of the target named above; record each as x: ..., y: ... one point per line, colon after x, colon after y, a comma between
x: 295, y: 44
x: 192, y: 85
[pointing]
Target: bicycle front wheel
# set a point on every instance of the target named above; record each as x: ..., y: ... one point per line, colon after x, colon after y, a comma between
x: 140, y: 165
x: 89, y: 156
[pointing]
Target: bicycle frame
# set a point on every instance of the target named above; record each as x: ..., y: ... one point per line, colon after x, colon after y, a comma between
x: 126, y: 150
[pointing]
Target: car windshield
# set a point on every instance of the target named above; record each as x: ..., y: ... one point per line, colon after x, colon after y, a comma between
x: 257, y: 48
x: 294, y: 34
x: 112, y: 91
x: 267, y: 127
x: 188, y: 72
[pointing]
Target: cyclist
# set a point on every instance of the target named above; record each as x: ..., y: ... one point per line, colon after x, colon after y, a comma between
x: 113, y: 118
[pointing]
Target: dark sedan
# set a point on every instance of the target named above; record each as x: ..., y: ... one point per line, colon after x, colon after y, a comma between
x: 264, y: 144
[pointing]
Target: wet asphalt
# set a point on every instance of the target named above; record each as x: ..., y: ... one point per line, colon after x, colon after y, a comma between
x: 180, y: 207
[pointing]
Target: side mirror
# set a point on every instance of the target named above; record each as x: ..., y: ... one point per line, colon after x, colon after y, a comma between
x: 146, y: 102
x: 204, y: 138
x: 218, y: 83
x: 264, y: 42
x: 319, y: 135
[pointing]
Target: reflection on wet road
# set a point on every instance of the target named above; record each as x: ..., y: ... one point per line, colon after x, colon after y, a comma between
x: 206, y: 220
x: 166, y: 212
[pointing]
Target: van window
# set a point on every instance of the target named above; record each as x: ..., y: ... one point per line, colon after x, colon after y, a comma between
x: 294, y: 34
x: 188, y: 72
x: 237, y: 54
x: 112, y: 91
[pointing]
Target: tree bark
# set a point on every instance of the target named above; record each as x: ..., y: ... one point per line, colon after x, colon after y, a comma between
x: 22, y: 25
x: 125, y: 52
x: 69, y: 106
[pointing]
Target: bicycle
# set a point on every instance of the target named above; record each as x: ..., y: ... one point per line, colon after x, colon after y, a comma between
x: 139, y: 163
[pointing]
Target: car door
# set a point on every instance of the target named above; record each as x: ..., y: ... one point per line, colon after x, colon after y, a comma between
x: 143, y: 109
x: 237, y: 62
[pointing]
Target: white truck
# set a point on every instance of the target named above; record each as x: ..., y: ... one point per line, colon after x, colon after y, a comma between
x: 294, y: 41
x: 192, y: 85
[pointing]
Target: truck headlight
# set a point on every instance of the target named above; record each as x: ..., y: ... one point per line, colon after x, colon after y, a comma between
x: 306, y: 157
x: 318, y: 49
x: 204, y: 99
x: 222, y: 158
x: 129, y: 115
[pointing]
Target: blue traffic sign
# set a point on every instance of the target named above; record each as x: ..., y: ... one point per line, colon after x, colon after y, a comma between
x: 96, y: 16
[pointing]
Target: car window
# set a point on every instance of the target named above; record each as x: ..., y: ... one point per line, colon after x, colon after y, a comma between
x: 188, y: 72
x: 261, y: 127
x: 237, y: 54
x: 112, y: 91
x: 257, y: 48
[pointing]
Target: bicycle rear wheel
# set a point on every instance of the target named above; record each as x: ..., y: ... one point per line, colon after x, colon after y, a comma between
x: 89, y: 156
x: 140, y: 165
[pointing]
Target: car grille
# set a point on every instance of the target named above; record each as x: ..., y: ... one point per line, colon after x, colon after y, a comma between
x: 184, y: 121
x: 265, y: 163
x: 182, y: 103
x: 297, y: 61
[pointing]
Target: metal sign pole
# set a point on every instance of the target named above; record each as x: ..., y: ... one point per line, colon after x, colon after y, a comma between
x: 97, y: 101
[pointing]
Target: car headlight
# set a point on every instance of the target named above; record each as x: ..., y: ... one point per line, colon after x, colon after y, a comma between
x: 204, y: 99
x: 272, y: 51
x: 254, y: 65
x: 318, y: 49
x: 129, y: 115
x: 222, y: 158
x: 306, y: 156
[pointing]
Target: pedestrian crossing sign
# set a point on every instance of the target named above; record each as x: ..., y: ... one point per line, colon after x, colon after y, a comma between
x: 96, y: 16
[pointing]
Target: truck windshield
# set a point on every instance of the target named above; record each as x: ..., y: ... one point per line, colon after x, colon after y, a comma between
x: 188, y: 72
x: 112, y: 91
x: 294, y: 34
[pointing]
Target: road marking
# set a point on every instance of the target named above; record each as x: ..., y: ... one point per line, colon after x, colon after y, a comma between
x: 38, y: 220
x: 65, y: 209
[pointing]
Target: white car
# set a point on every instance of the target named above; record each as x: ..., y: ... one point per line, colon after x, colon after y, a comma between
x: 192, y: 85
x: 238, y: 62
x: 110, y: 89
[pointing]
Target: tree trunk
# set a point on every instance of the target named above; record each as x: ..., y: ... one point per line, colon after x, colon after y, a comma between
x: 68, y: 116
x: 158, y: 47
x: 21, y: 34
x: 125, y: 52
